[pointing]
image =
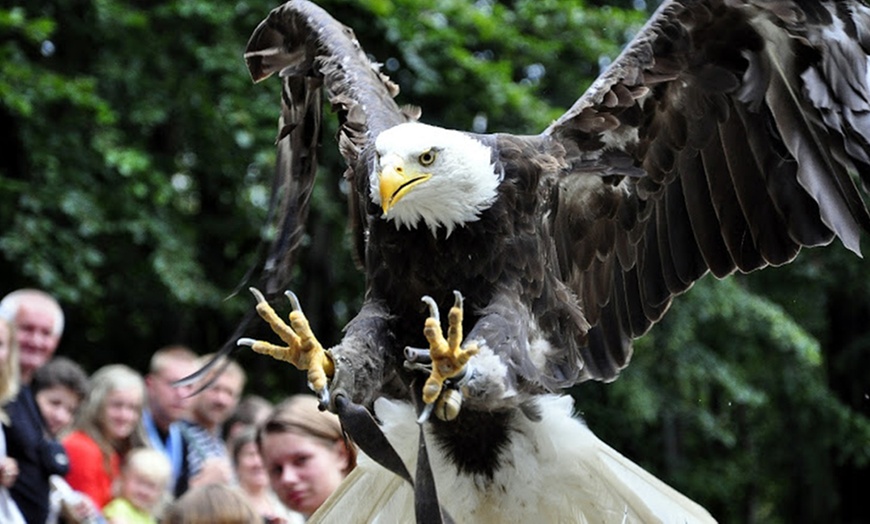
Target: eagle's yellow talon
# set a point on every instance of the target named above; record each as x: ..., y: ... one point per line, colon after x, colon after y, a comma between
x: 302, y: 350
x: 448, y: 358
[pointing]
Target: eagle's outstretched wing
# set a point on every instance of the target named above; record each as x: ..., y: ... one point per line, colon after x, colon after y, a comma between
x: 310, y: 50
x: 745, y: 123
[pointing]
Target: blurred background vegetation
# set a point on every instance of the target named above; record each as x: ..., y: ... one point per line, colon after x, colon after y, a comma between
x: 134, y: 184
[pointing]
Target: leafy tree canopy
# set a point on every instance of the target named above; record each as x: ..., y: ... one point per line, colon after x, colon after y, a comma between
x: 135, y: 180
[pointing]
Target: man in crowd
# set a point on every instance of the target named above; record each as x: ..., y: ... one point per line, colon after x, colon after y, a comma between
x: 167, y: 406
x: 39, y: 322
x: 207, y: 453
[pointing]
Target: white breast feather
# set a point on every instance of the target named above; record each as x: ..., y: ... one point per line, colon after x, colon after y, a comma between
x: 555, y: 470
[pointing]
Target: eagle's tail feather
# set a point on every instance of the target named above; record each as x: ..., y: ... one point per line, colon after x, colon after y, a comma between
x: 554, y: 470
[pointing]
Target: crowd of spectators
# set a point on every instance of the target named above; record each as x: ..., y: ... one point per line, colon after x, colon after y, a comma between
x: 121, y: 447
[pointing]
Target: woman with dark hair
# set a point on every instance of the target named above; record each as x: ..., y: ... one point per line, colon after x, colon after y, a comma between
x: 59, y: 388
x: 43, y: 409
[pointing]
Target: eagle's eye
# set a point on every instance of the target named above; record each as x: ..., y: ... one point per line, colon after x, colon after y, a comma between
x: 427, y: 158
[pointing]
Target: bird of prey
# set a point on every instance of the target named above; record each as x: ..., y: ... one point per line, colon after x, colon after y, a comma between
x: 726, y: 136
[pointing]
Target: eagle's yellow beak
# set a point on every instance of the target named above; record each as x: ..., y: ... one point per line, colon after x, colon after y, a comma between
x: 395, y: 182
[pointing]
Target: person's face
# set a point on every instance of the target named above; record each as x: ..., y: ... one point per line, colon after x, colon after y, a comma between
x: 36, y: 339
x: 249, y: 466
x: 122, y: 409
x: 214, y: 405
x: 303, y: 471
x: 58, y: 405
x: 140, y: 490
x: 166, y: 402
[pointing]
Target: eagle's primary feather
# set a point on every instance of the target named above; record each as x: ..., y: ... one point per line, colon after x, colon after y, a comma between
x: 726, y: 136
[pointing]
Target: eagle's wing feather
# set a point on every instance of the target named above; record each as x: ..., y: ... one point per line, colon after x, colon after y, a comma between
x: 747, y: 129
x: 309, y: 49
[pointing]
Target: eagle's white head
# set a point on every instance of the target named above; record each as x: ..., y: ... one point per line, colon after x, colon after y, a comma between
x: 423, y: 173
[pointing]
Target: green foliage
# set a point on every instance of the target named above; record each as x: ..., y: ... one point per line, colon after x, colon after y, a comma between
x: 134, y: 185
x: 724, y: 378
x: 490, y: 66
x: 134, y: 131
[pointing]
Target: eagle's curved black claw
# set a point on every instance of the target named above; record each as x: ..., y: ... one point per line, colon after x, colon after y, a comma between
x: 323, y: 396
x: 257, y: 295
x: 433, y: 308
x: 294, y: 300
x: 426, y: 413
x: 457, y: 299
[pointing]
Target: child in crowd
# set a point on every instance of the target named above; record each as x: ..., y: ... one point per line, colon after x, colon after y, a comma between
x: 144, y: 481
x: 211, y: 504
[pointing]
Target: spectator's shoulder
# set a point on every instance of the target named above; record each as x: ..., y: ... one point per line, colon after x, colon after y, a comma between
x: 78, y: 443
x: 192, y: 430
x: 16, y: 407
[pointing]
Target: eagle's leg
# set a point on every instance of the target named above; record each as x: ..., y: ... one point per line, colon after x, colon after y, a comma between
x: 448, y: 358
x: 302, y: 350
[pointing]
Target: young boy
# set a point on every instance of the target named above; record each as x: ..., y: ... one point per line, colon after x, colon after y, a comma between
x: 144, y: 481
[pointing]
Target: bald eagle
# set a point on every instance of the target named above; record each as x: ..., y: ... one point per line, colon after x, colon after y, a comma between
x: 726, y: 136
